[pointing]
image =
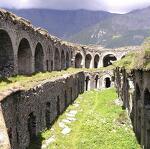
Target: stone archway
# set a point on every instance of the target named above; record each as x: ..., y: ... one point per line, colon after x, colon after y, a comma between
x: 107, y: 82
x: 67, y: 60
x: 39, y: 58
x: 96, y: 61
x: 88, y: 60
x: 108, y: 59
x: 6, y: 54
x: 24, y: 57
x: 63, y: 61
x: 78, y: 60
x: 57, y: 60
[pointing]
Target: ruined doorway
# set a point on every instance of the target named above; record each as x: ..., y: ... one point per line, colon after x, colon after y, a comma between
x: 67, y: 60
x: 63, y: 62
x: 96, y: 61
x: 88, y: 59
x: 39, y: 58
x: 24, y: 58
x: 6, y: 54
x: 107, y: 82
x: 57, y: 60
x: 78, y: 61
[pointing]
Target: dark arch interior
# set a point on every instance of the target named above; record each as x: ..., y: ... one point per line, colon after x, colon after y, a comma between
x: 96, y: 61
x: 47, y: 115
x: 107, y: 82
x: 63, y: 63
x: 96, y: 81
x: 107, y: 60
x: 146, y: 97
x: 6, y: 54
x: 138, y: 114
x: 39, y: 58
x: 57, y: 59
x: 88, y: 59
x: 87, y: 83
x: 78, y: 61
x: 24, y: 57
x: 67, y: 60
x: 32, y: 126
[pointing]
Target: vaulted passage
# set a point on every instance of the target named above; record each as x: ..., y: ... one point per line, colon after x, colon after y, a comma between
x: 138, y: 113
x: 6, y: 54
x: 78, y: 61
x: 107, y: 82
x: 63, y: 63
x: 47, y: 115
x: 88, y: 59
x: 96, y: 61
x: 32, y: 126
x: 24, y: 57
x: 57, y: 59
x: 67, y: 60
x: 108, y: 59
x: 39, y: 58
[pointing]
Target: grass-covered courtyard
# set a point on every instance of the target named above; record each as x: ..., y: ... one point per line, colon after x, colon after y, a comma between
x: 98, y: 124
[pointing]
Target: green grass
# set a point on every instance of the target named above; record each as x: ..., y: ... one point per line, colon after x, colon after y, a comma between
x: 101, y: 124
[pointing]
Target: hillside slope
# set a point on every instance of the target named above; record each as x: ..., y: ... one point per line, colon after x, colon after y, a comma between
x: 63, y: 23
x: 120, y: 30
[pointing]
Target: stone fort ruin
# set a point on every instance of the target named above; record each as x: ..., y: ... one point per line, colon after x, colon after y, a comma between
x: 25, y: 50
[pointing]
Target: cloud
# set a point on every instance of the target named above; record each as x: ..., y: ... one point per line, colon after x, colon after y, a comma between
x: 109, y: 5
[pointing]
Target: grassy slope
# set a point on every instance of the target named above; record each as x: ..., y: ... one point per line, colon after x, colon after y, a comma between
x: 100, y: 125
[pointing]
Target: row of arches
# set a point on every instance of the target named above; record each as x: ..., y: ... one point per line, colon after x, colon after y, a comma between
x: 25, y: 58
x: 107, y: 60
x: 107, y: 83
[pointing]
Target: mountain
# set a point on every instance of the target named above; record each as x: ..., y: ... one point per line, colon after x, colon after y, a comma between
x: 63, y: 23
x: 119, y: 30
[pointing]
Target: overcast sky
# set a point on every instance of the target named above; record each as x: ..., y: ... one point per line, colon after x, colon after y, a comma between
x: 120, y: 6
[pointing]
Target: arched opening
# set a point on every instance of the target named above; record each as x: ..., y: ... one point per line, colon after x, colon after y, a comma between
x: 146, y: 97
x: 67, y: 60
x: 108, y: 60
x: 6, y: 54
x: 96, y: 61
x: 87, y: 83
x: 47, y: 115
x: 78, y: 61
x: 96, y: 81
x: 32, y: 126
x: 63, y: 63
x: 24, y: 57
x: 39, y: 58
x: 107, y: 82
x: 138, y: 113
x: 57, y: 59
x: 88, y: 59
